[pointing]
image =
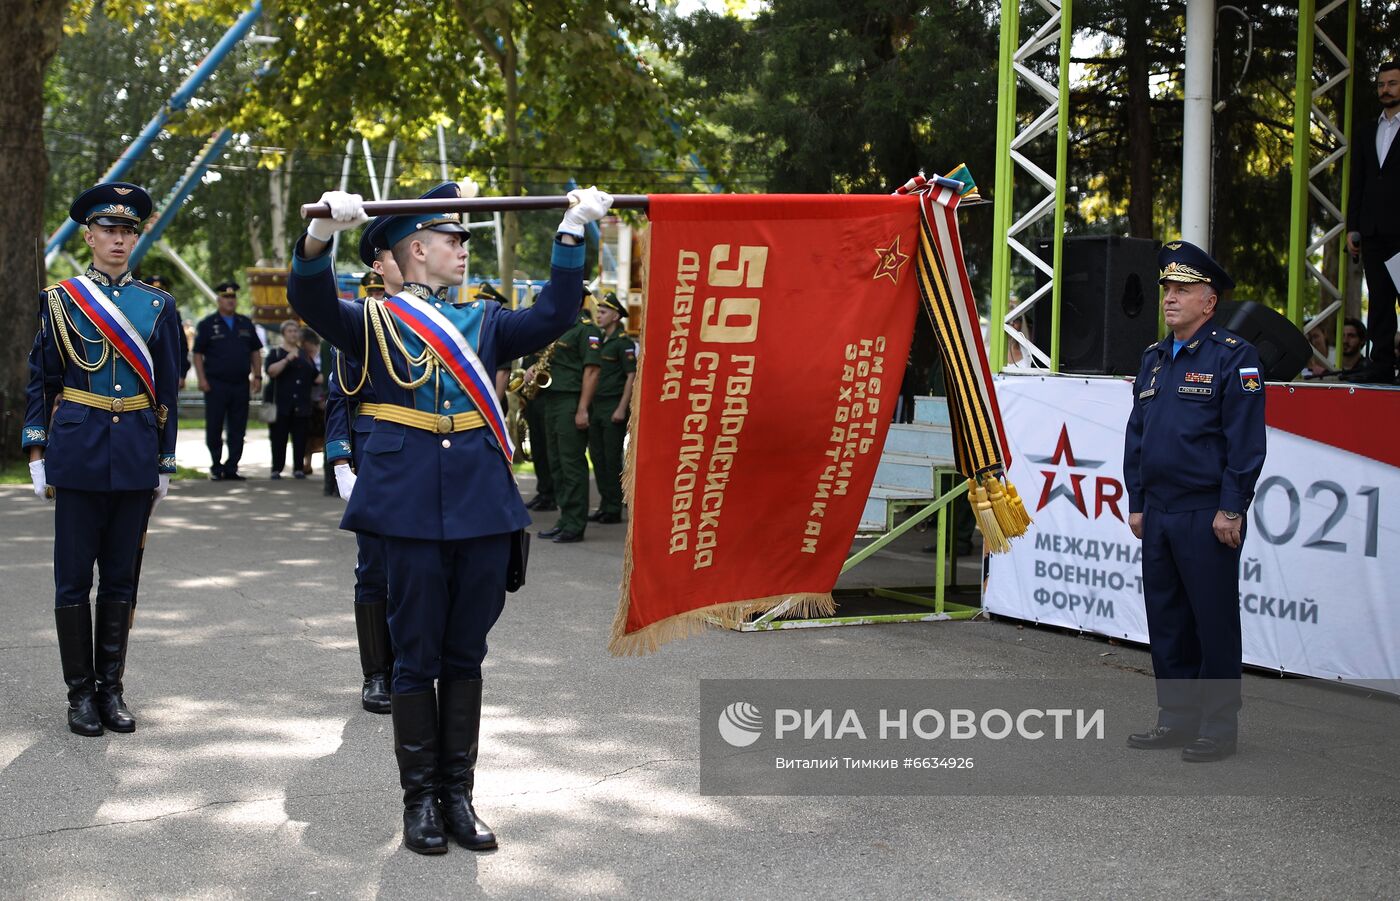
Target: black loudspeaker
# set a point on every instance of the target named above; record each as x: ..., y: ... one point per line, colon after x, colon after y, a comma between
x: 1283, y: 348
x: 1108, y: 303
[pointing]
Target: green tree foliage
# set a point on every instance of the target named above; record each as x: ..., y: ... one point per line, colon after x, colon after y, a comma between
x: 849, y: 96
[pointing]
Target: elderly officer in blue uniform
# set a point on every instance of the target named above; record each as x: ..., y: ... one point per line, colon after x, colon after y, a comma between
x: 349, y: 388
x: 103, y: 378
x: 227, y: 350
x: 435, y: 479
x: 1195, y: 446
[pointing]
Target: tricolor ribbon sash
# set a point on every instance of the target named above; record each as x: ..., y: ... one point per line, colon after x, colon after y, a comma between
x: 455, y: 353
x: 114, y: 326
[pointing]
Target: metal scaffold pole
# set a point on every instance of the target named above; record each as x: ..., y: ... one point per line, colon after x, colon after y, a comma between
x: 1013, y: 236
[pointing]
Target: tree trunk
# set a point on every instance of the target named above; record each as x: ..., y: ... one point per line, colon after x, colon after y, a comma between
x: 35, y: 28
x: 279, y: 185
x: 510, y: 224
x: 1139, y: 113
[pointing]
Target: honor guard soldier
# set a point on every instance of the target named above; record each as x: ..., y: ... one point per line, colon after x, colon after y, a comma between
x: 435, y: 479
x: 573, y: 369
x: 348, y: 393
x: 103, y: 379
x: 227, y: 351
x: 1194, y: 448
x: 607, y: 422
x: 159, y: 282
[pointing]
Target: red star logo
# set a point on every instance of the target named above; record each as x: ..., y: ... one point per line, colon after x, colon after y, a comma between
x: 1063, y: 458
x: 891, y: 261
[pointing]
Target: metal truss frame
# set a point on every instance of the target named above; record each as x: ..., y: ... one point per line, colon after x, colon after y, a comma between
x: 1012, y: 149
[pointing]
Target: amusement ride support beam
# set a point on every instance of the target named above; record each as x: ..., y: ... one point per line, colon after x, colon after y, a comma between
x: 1013, y: 236
x: 1197, y: 179
x: 178, y: 101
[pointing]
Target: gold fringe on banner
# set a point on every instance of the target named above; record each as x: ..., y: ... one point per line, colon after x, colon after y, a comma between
x: 692, y: 622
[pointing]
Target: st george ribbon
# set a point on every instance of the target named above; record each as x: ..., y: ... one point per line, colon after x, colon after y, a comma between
x: 776, y: 333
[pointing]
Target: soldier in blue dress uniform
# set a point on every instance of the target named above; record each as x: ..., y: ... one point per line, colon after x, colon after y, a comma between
x: 103, y: 379
x: 1195, y: 446
x: 347, y: 429
x: 227, y: 351
x: 436, y: 483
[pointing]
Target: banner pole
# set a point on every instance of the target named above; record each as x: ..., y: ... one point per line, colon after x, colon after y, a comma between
x: 470, y: 205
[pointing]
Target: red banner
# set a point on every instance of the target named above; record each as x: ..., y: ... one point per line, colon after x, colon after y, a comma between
x: 776, y: 334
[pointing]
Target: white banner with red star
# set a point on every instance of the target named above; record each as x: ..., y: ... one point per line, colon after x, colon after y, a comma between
x: 1317, y: 587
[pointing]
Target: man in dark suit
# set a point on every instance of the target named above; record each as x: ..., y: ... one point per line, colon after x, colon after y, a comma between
x: 1373, y: 220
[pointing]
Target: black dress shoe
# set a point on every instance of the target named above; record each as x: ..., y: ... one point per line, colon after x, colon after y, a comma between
x: 568, y: 537
x: 540, y: 502
x: 546, y: 507
x: 609, y: 519
x: 233, y: 475
x: 1205, y: 750
x: 596, y: 516
x: 1159, y: 737
x: 550, y: 533
x: 216, y: 474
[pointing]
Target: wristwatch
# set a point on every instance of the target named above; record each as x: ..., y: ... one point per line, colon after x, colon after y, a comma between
x: 1230, y: 516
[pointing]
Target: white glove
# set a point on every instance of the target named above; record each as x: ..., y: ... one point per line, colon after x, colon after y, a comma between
x: 347, y: 211
x: 162, y: 489
x: 468, y: 187
x: 585, y: 205
x: 40, y: 479
x: 344, y: 480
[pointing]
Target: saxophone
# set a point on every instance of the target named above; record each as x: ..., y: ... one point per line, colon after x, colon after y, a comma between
x: 528, y: 390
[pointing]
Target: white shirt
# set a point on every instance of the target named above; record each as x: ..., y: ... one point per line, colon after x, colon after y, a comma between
x: 1385, y: 134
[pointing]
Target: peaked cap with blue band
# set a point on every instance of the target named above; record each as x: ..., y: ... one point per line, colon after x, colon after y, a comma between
x: 1182, y: 261
x: 112, y: 203
x: 372, y: 241
x: 396, y: 228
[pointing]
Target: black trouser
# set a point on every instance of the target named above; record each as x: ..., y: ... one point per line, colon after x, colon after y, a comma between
x: 226, y: 401
x: 1380, y: 323
x: 101, y: 527
x: 284, y: 426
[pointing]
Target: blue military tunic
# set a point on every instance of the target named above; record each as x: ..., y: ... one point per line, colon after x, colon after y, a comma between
x: 100, y: 450
x: 418, y: 484
x: 1195, y: 438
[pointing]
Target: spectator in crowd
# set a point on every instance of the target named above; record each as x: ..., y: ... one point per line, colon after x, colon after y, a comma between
x: 227, y: 352
x: 292, y: 373
x: 316, y: 428
x: 1016, y: 355
x: 1373, y: 220
x: 1320, y: 360
x: 1354, y: 356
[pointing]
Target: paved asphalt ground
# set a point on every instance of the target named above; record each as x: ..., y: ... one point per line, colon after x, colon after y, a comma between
x: 254, y: 772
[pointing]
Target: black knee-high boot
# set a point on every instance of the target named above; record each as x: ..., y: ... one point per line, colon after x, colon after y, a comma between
x: 75, y: 651
x: 113, y: 629
x: 376, y: 655
x: 416, y: 748
x: 459, y: 724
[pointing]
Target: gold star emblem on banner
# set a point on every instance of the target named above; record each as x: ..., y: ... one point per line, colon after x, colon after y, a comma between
x: 891, y: 261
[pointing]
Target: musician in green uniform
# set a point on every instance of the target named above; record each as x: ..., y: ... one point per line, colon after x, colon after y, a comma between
x: 607, y: 420
x: 574, y: 373
x: 535, y: 405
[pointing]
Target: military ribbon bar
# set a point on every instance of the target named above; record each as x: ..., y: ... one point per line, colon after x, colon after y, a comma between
x: 451, y: 348
x: 114, y: 326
